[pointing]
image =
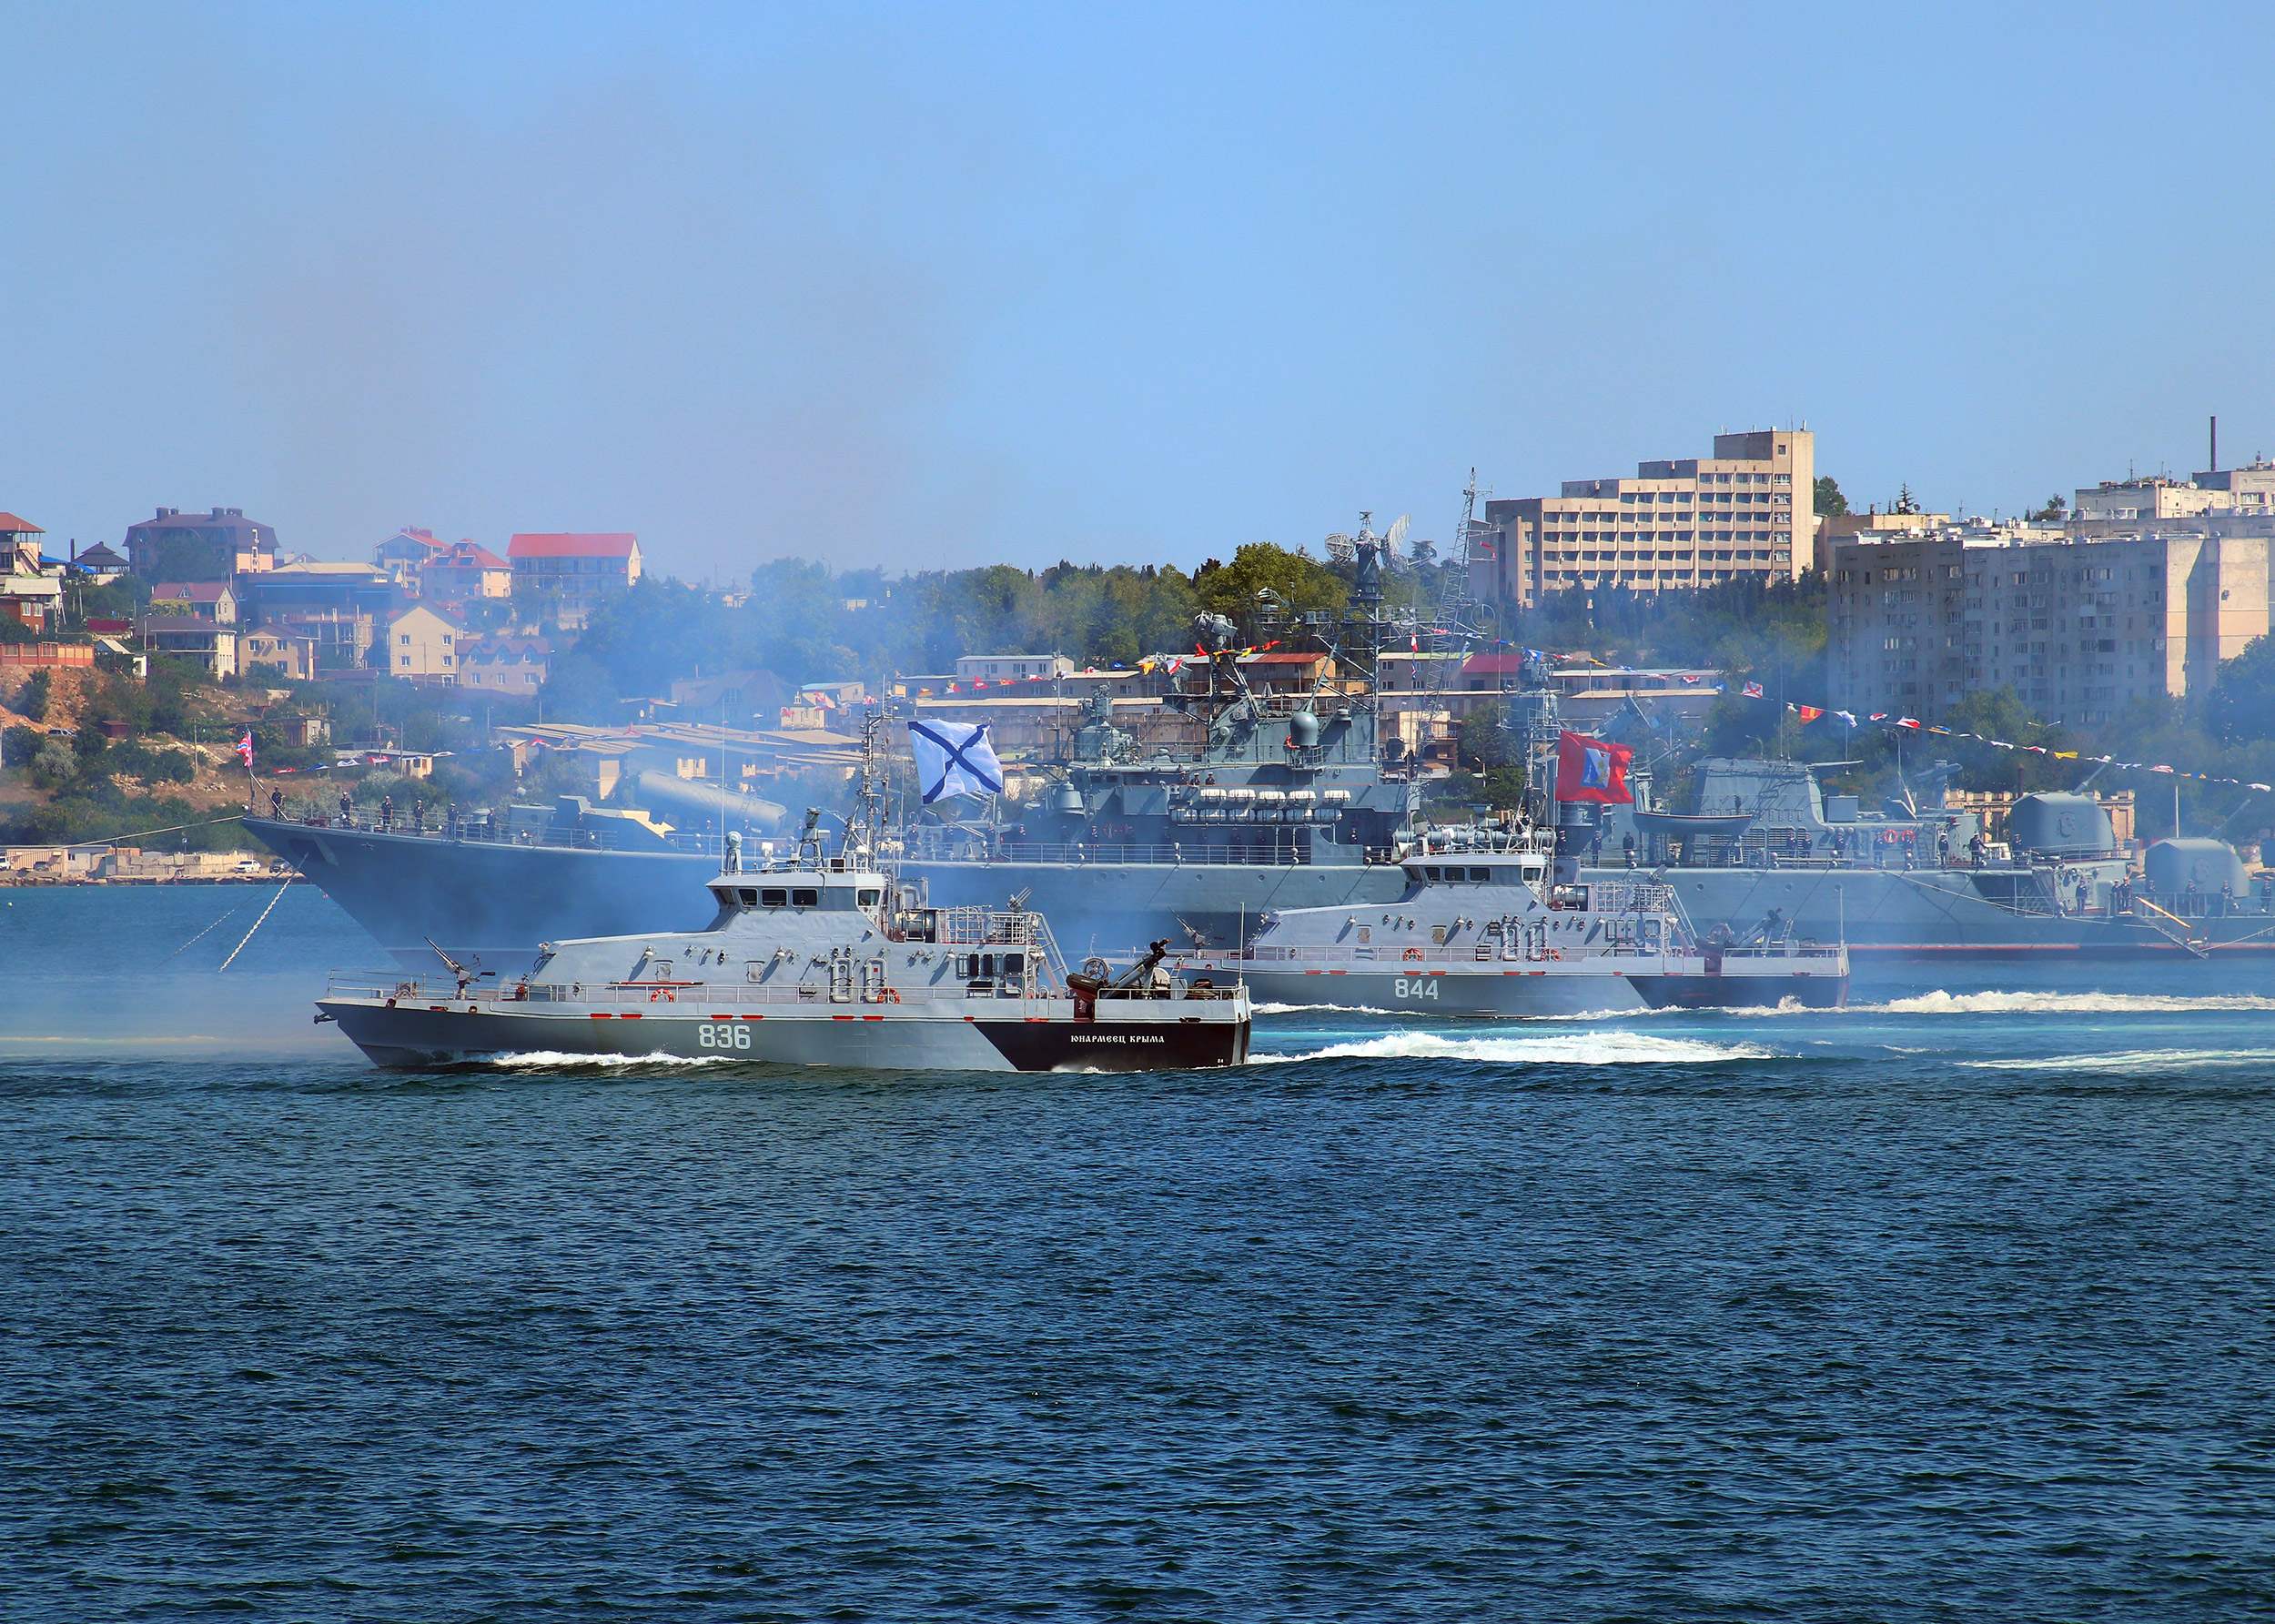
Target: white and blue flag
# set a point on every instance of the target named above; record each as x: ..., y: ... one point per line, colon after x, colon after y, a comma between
x: 955, y: 758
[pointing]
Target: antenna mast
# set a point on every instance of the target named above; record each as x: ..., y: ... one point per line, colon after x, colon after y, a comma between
x: 1461, y: 614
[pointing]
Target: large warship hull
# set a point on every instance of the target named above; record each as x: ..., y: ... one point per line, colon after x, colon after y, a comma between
x: 495, y: 902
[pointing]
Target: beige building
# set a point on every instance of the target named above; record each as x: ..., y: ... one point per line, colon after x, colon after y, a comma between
x: 423, y: 645
x: 506, y: 665
x: 294, y: 657
x: 2238, y: 501
x: 1691, y: 522
x: 2078, y: 628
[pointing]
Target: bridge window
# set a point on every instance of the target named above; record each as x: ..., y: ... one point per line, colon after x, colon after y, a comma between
x: 804, y: 897
x: 773, y: 897
x: 750, y: 897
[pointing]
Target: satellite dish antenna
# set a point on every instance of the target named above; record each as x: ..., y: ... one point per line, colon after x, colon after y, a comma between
x: 1398, y: 528
x: 1341, y: 548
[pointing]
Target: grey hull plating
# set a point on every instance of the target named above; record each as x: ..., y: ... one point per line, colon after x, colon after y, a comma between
x: 1028, y: 1036
x: 498, y: 901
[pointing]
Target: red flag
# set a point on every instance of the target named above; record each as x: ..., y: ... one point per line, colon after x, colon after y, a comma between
x: 1808, y: 713
x: 1593, y: 770
x: 245, y: 748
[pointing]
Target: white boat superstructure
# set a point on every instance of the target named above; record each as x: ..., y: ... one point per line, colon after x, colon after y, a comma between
x: 1483, y: 929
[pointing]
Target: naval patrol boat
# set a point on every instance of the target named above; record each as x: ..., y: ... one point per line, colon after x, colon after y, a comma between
x: 816, y: 959
x: 1482, y: 928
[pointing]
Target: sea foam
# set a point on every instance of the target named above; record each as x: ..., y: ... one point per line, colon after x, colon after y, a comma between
x: 2066, y: 1003
x: 2128, y: 1060
x: 561, y: 1059
x: 1577, y: 1048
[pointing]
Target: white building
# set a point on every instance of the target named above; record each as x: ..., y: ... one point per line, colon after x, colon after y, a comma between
x: 994, y: 668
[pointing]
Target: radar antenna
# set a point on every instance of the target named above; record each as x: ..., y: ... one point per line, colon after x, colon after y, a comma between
x: 1463, y: 617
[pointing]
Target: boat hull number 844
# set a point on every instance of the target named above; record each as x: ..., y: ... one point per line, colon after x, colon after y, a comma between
x: 1420, y: 986
x: 726, y: 1034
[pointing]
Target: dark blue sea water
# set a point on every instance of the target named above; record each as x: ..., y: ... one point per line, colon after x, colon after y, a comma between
x: 1957, y: 1304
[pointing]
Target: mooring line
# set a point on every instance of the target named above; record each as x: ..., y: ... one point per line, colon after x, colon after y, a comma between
x: 256, y: 924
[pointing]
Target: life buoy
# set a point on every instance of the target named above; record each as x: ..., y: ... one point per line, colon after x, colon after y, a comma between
x: 890, y: 995
x: 1413, y: 953
x: 1555, y: 952
x: 663, y: 995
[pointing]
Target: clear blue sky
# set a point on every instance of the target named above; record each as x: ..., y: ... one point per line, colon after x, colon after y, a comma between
x: 938, y: 286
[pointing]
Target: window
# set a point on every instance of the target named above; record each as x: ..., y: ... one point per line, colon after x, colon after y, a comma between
x: 406, y: 659
x: 1480, y: 876
x: 407, y: 640
x: 805, y: 897
x: 774, y: 896
x: 748, y: 896
x: 870, y: 898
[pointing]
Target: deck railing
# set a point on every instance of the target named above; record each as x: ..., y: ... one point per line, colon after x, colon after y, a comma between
x: 695, y: 998
x: 1389, y: 956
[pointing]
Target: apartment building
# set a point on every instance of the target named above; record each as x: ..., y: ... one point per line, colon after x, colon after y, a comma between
x: 1688, y: 522
x: 2078, y: 628
x: 574, y: 571
x: 423, y: 645
x: 182, y: 546
x: 506, y: 665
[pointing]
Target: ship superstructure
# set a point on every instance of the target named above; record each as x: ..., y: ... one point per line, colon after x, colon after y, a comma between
x: 1482, y: 928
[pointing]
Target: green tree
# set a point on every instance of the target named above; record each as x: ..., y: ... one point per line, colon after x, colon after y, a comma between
x: 33, y: 697
x: 1829, y: 500
x: 581, y: 688
x: 2054, y: 509
x: 1297, y: 577
x: 1999, y: 713
x: 2241, y: 706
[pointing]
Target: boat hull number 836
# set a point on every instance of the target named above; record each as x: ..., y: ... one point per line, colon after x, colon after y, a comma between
x: 726, y: 1034
x: 1420, y: 986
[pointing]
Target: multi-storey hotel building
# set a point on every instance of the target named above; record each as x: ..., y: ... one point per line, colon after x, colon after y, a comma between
x: 1690, y: 522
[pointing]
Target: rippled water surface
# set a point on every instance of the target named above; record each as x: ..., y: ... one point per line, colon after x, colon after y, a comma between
x: 1959, y: 1304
